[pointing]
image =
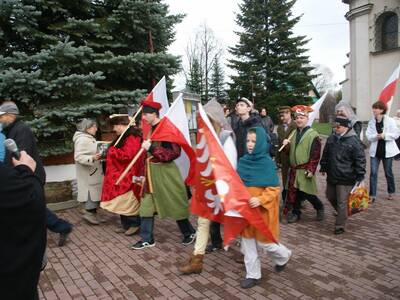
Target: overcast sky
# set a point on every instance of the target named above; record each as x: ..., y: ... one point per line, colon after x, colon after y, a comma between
x: 322, y: 22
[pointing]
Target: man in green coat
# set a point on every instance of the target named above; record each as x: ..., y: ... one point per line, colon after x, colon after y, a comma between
x: 164, y: 191
x: 304, y: 148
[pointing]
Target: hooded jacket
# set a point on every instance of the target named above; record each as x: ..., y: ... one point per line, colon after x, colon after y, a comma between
x: 343, y: 159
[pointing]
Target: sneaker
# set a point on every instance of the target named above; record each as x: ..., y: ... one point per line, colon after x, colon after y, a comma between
x: 248, y: 283
x: 390, y: 197
x: 320, y: 214
x: 372, y: 199
x: 141, y: 245
x: 187, y: 240
x: 211, y: 248
x: 63, y: 237
x: 131, y: 231
x: 292, y: 218
x: 339, y: 231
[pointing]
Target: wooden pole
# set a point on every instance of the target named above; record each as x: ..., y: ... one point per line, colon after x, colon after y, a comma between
x: 131, y: 123
x: 289, y: 137
x: 122, y: 176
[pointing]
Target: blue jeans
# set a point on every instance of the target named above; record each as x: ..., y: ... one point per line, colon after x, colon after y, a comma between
x: 56, y: 224
x: 373, y: 177
x: 147, y: 227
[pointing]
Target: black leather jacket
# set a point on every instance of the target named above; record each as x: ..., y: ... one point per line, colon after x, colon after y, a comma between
x: 343, y: 159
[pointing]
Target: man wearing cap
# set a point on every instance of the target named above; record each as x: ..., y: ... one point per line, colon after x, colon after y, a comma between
x: 285, y: 128
x: 245, y: 122
x: 304, y: 148
x: 164, y: 191
x: 23, y: 136
x: 343, y: 160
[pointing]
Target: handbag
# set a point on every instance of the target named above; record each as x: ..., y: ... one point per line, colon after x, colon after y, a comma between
x: 358, y: 200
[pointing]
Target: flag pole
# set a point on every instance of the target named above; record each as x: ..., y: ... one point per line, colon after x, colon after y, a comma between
x: 122, y: 176
x: 289, y: 137
x: 131, y: 123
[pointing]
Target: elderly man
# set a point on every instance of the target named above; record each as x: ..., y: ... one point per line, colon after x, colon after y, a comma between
x: 23, y: 136
x: 343, y: 160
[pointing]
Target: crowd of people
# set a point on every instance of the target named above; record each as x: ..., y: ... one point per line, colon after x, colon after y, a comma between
x: 154, y: 185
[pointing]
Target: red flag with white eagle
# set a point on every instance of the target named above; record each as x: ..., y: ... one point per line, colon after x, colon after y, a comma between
x: 158, y: 94
x: 218, y: 193
x: 174, y: 128
x: 389, y: 90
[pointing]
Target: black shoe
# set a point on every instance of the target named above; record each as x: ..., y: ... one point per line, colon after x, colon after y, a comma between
x: 320, y: 214
x: 141, y: 245
x: 292, y: 218
x: 339, y: 231
x: 248, y: 283
x: 63, y: 238
x: 211, y: 248
x: 187, y: 240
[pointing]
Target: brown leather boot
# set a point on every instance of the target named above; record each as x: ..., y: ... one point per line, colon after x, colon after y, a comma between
x: 194, y: 265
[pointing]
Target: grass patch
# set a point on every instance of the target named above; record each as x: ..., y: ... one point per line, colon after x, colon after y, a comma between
x: 323, y: 128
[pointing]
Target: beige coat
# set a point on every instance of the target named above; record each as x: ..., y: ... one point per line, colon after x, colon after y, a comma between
x: 89, y: 173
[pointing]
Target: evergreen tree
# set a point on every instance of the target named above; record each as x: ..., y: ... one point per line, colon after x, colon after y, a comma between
x: 65, y: 60
x: 195, y: 82
x: 271, y: 65
x: 217, y: 84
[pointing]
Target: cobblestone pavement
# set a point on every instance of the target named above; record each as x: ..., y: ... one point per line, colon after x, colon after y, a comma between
x: 363, y: 263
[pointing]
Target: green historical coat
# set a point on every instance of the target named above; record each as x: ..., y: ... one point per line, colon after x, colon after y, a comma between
x: 165, y: 193
x: 300, y: 154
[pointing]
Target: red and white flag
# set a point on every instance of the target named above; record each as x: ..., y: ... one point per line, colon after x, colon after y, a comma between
x: 389, y: 90
x: 158, y: 94
x: 218, y: 193
x: 316, y: 107
x: 174, y: 128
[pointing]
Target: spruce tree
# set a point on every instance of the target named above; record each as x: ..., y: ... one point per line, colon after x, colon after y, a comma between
x: 195, y: 82
x: 270, y: 62
x: 61, y: 61
x: 217, y: 84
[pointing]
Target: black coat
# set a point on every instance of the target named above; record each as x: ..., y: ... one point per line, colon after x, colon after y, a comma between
x: 343, y: 159
x: 25, y: 140
x: 22, y: 232
x: 240, y: 130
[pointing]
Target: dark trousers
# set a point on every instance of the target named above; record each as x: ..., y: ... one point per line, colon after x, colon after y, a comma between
x: 129, y: 221
x: 55, y: 224
x: 301, y: 196
x: 215, y: 232
x: 147, y: 227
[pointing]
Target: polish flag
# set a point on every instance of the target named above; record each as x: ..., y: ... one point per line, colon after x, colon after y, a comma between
x: 174, y: 128
x: 316, y: 107
x: 218, y: 193
x: 389, y: 90
x: 158, y: 94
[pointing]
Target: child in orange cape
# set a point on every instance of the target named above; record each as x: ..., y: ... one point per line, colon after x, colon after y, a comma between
x: 258, y: 173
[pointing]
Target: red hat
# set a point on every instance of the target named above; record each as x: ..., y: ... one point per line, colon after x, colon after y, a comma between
x: 301, y: 110
x: 151, y: 104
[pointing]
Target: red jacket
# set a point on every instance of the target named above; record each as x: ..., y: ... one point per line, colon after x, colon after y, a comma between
x: 117, y: 160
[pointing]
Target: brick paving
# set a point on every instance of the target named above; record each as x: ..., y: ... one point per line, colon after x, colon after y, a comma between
x: 363, y: 263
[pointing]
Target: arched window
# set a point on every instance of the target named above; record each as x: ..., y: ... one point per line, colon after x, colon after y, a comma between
x: 387, y: 31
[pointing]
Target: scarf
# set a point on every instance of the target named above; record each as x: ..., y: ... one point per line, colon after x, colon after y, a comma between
x: 258, y: 169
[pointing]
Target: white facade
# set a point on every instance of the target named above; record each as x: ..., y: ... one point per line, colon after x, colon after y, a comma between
x: 374, y: 52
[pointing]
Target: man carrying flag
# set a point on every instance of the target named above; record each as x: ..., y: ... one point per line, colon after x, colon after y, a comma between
x: 164, y: 192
